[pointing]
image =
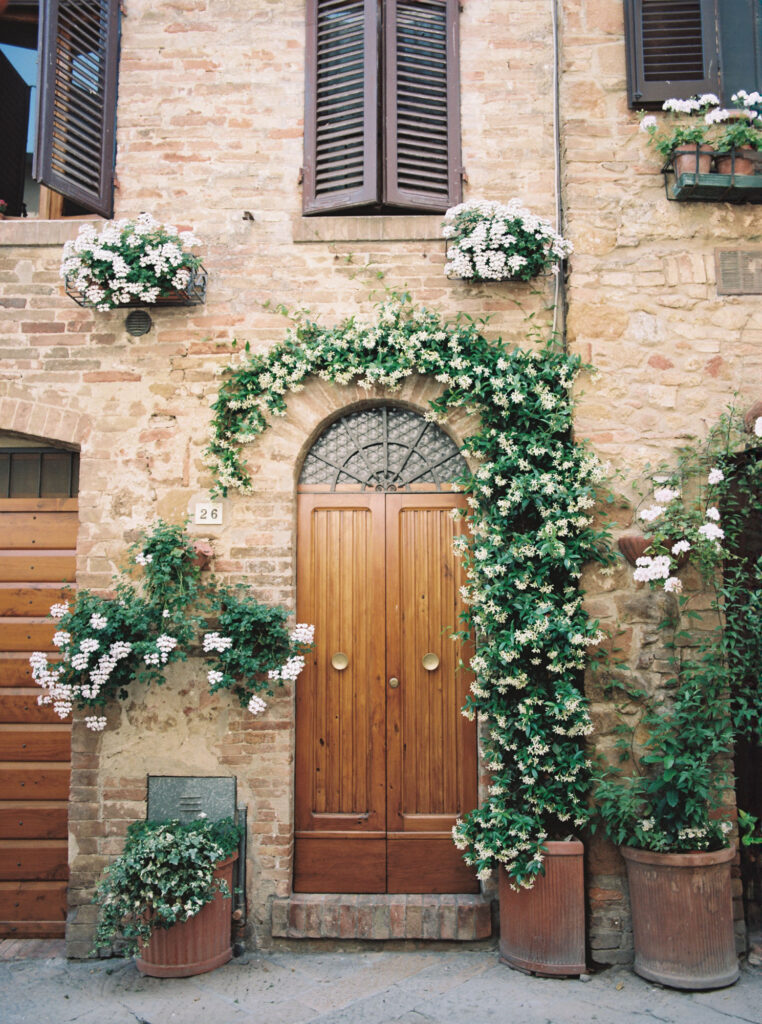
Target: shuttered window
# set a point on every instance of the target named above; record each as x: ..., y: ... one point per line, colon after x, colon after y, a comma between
x: 382, y: 120
x: 678, y: 48
x: 77, y: 112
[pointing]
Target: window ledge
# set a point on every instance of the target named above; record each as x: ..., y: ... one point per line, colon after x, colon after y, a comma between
x: 31, y: 231
x: 415, y: 228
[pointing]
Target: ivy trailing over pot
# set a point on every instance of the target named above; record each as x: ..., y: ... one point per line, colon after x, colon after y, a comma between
x: 164, y: 875
x: 668, y: 793
x: 530, y: 501
x: 108, y: 642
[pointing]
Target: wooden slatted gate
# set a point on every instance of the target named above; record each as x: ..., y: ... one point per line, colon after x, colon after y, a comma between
x: 37, y: 557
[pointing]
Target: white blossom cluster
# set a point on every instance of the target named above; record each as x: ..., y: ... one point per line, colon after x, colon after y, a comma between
x: 495, y: 241
x: 165, y: 644
x: 127, y: 260
x: 62, y: 694
x: 216, y: 642
x: 289, y: 671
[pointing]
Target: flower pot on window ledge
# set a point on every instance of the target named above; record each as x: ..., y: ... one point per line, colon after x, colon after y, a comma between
x: 194, y: 294
x: 692, y: 160
x: 739, y: 161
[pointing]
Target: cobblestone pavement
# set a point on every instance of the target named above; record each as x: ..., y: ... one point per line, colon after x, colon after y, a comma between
x: 403, y: 987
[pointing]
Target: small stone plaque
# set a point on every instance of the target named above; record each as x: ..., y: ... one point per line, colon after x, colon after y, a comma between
x: 189, y: 797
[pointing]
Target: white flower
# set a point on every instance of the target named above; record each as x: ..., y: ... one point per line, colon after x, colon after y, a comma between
x: 664, y: 495
x: 57, y: 611
x: 713, y: 513
x: 214, y: 677
x: 648, y: 123
x: 256, y: 705
x: 143, y: 559
x: 61, y: 638
x: 680, y: 547
x: 649, y: 514
x: 758, y: 427
x: 215, y: 642
x: 98, y: 621
x: 711, y: 531
x: 716, y: 476
x: 672, y: 585
x: 95, y: 722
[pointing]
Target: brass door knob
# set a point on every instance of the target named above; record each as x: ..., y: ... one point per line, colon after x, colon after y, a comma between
x: 339, y: 661
x: 430, y: 661
x: 394, y: 682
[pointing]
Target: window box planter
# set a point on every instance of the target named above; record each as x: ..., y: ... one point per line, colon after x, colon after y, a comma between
x: 194, y: 294
x: 693, y: 180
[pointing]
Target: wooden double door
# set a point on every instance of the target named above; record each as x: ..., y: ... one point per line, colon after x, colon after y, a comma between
x: 385, y: 761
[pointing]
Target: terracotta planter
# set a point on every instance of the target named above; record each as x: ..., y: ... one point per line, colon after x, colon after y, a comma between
x: 688, y: 158
x: 744, y: 163
x: 542, y: 929
x: 682, y: 917
x: 197, y: 945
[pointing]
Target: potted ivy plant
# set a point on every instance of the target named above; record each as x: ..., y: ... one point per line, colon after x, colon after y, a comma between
x: 166, y: 896
x: 666, y: 802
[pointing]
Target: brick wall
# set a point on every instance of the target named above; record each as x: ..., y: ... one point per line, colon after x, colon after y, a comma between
x: 217, y: 146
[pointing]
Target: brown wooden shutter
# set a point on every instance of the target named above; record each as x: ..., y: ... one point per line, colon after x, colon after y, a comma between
x: 671, y: 50
x: 422, y: 105
x: 77, y: 109
x: 341, y: 105
x: 14, y: 121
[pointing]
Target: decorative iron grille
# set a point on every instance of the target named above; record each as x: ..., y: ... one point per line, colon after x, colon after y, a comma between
x: 384, y: 448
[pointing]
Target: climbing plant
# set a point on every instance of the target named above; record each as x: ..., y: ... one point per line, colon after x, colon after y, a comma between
x: 531, y: 496
x: 162, y: 609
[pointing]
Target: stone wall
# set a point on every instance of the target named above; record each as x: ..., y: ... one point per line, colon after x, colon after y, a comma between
x: 218, y: 147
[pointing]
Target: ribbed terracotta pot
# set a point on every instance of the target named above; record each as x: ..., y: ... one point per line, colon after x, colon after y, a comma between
x: 682, y: 917
x: 197, y: 945
x: 542, y: 929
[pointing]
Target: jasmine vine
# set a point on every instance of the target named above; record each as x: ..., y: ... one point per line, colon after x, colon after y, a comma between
x: 531, y: 499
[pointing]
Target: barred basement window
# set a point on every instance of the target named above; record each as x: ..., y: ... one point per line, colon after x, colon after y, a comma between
x: 382, y: 119
x: 678, y: 48
x: 62, y: 133
x: 40, y: 472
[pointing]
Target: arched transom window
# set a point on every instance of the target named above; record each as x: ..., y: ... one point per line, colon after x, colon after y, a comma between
x: 384, y: 448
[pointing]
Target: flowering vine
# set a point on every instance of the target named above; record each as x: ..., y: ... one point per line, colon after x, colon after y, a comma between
x: 669, y: 791
x: 106, y: 643
x: 530, y: 498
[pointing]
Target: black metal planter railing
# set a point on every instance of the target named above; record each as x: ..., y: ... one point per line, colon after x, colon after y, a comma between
x: 194, y: 294
x: 688, y: 180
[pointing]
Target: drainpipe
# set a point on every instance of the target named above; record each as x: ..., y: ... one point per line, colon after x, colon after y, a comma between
x: 239, y: 891
x: 559, y: 297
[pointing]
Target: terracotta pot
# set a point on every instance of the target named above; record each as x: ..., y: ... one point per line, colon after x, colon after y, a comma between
x: 682, y: 917
x: 194, y: 946
x: 686, y: 157
x: 744, y: 163
x: 204, y: 553
x: 542, y: 929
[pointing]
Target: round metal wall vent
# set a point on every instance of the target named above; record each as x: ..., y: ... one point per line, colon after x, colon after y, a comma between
x: 138, y: 322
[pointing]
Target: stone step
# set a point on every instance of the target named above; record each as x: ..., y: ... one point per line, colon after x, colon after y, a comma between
x: 451, y: 917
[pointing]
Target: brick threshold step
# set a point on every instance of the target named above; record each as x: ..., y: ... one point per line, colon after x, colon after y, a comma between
x: 450, y: 917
